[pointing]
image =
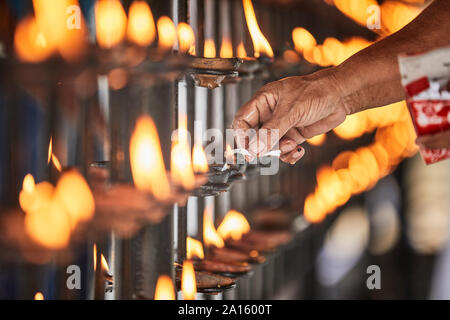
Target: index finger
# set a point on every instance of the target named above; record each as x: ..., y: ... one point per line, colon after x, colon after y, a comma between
x: 255, y: 112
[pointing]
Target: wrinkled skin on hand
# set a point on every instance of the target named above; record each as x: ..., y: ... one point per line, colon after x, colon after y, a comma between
x: 298, y: 107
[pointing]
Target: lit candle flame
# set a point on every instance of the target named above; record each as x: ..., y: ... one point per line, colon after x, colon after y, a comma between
x: 28, y: 184
x: 181, y: 163
x: 33, y: 196
x: 312, y: 211
x: 61, y: 26
x: 210, y: 235
x: 167, y: 33
x: 209, y: 50
x: 30, y: 43
x: 37, y: 38
x: 74, y: 193
x: 38, y: 296
x: 226, y: 49
x: 111, y: 23
x: 104, y: 263
x: 186, y: 38
x: 318, y: 140
x: 241, y: 52
x: 51, y: 213
x: 199, y: 161
x: 181, y: 168
x: 48, y: 224
x: 94, y: 255
x: 147, y: 164
x: 194, y: 249
x: 50, y: 150
x: 164, y: 288
x: 303, y: 40
x: 234, y: 225
x: 56, y: 163
x: 188, y: 282
x: 141, y: 25
x: 260, y: 44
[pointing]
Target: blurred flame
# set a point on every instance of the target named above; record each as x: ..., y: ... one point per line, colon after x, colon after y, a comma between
x: 291, y: 56
x: 33, y: 196
x: 396, y: 15
x: 28, y: 184
x: 181, y: 168
x: 164, y: 288
x: 74, y: 193
x: 30, y: 43
x: 318, y: 140
x: 356, y: 9
x: 146, y: 160
x: 51, y: 213
x: 180, y: 162
x: 241, y: 52
x: 186, y: 38
x: 311, y: 210
x: 209, y: 51
x: 37, y: 38
x: 234, y: 225
x: 303, y: 40
x: 188, y: 282
x: 194, y: 249
x: 199, y: 161
x: 111, y: 23
x: 104, y: 263
x: 56, y: 162
x: 49, y: 224
x: 226, y: 49
x: 141, y: 25
x: 63, y: 27
x: 38, y: 296
x: 353, y: 126
x: 210, y: 234
x: 94, y: 253
x: 50, y: 150
x: 260, y: 43
x: 167, y: 33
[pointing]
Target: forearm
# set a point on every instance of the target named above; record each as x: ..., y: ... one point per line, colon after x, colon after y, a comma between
x: 371, y: 78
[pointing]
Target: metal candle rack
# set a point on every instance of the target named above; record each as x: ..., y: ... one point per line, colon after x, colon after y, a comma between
x: 149, y: 239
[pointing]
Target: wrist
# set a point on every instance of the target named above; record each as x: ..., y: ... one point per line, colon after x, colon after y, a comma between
x: 338, y: 88
x: 345, y: 88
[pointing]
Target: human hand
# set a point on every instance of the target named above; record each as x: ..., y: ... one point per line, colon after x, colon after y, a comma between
x: 289, y: 111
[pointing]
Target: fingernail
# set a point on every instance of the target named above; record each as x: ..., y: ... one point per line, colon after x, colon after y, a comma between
x: 298, y: 152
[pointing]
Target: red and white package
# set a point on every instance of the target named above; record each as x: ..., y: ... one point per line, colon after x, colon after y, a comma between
x: 426, y: 79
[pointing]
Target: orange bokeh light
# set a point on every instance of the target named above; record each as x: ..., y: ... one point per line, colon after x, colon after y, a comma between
x: 141, y: 25
x: 146, y: 160
x: 234, y: 225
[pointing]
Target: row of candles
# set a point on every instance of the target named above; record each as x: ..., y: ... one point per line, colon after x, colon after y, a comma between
x: 51, y: 30
x: 35, y: 41
x: 53, y: 213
